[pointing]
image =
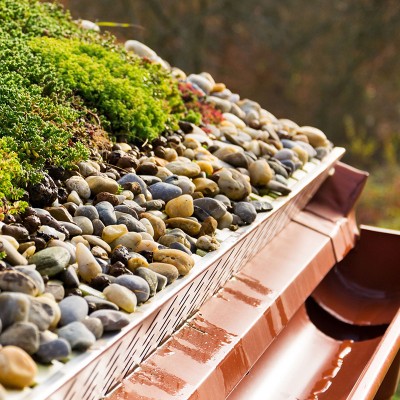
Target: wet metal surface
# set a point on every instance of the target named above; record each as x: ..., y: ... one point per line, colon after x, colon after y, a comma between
x: 254, y: 284
x: 304, y: 364
x: 255, y: 331
x: 339, y: 193
x: 364, y: 289
x: 212, y: 352
x: 328, y: 375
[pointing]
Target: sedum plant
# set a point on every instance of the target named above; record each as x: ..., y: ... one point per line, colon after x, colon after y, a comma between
x: 41, y: 130
x: 11, y: 173
x: 59, y: 84
x: 136, y: 98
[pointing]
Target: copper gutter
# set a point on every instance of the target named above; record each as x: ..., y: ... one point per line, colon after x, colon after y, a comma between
x: 261, y: 307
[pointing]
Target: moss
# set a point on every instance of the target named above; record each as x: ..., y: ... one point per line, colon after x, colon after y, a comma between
x: 40, y: 129
x: 32, y: 18
x: 37, y: 119
x: 10, y: 170
x: 62, y: 86
x: 136, y: 97
x: 11, y: 173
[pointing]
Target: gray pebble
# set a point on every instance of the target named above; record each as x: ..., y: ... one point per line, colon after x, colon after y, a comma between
x: 221, y: 104
x: 87, y: 169
x: 322, y: 152
x: 112, y: 320
x: 245, y: 211
x: 131, y: 223
x: 262, y: 206
x: 180, y: 246
x: 56, y: 288
x: 85, y: 224
x: 150, y: 277
x: 78, y: 184
x: 238, y: 160
x: 281, y: 179
x: 134, y: 205
x: 98, y: 227
x: 183, y: 182
x: 87, y: 211
x: 94, y: 325
x: 16, y: 281
x: 77, y: 335
x: 73, y: 308
x: 41, y: 314
x: 289, y: 164
x: 223, y: 199
x: 129, y: 210
x: 154, y: 205
x: 33, y: 274
x: 200, y: 214
x: 72, y: 228
x: 278, y: 167
x: 192, y: 241
x: 21, y: 334
x: 164, y: 191
x: 137, y: 285
x: 288, y: 144
x: 106, y: 213
x: 284, y: 154
x: 161, y: 281
x: 49, y: 350
x: 235, y: 220
x: 150, y: 179
x: 213, y: 207
x: 14, y: 307
x: 278, y: 187
x: 131, y: 177
x: 202, y: 82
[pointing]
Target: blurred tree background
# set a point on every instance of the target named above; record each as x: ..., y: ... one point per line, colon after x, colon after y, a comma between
x: 330, y: 64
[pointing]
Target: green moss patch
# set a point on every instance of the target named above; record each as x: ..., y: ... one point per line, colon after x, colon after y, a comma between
x: 59, y: 83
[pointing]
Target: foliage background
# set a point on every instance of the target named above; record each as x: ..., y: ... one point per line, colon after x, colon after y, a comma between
x: 330, y: 64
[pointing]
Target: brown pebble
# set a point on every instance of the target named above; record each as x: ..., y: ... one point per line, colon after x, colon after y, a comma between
x: 104, y: 196
x: 147, y: 168
x: 17, y: 231
x: 206, y: 186
x: 189, y: 226
x: 181, y: 206
x: 182, y: 261
x: 167, y: 270
x: 157, y: 223
x: 208, y: 226
x: 134, y: 187
x: 197, y: 195
x: 32, y: 223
